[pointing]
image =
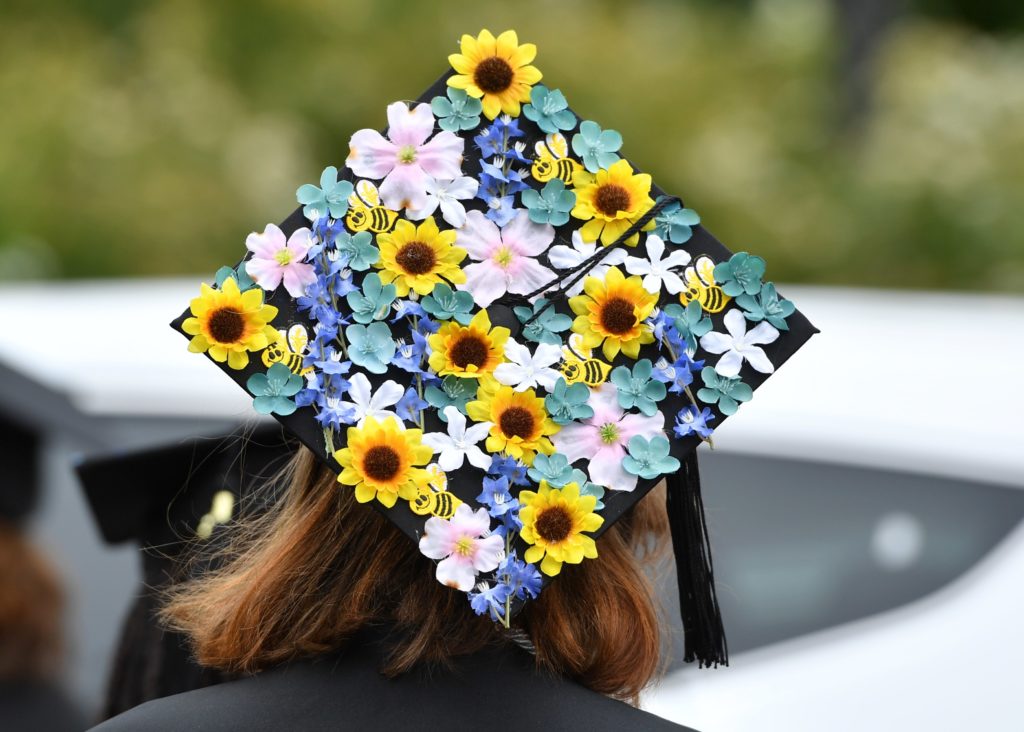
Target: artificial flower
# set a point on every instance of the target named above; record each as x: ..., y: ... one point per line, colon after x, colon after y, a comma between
x: 460, y: 442
x: 694, y: 421
x: 452, y: 392
x: 563, y: 257
x: 410, y: 407
x: 523, y: 370
x: 508, y: 467
x: 496, y: 71
x: 725, y: 391
x: 506, y: 258
x: 374, y: 302
x: 549, y: 110
x: 407, y: 159
x: 418, y: 257
x: 456, y: 112
x: 330, y: 199
x: 556, y: 470
x: 273, y: 390
x: 275, y: 261
x: 228, y: 324
x: 366, y: 403
x: 381, y: 460
x: 675, y: 223
x: 550, y: 205
x: 242, y: 278
x: 611, y: 201
x: 740, y: 345
x: 636, y: 388
x: 520, y: 425
x: 596, y: 147
x: 602, y: 439
x: 370, y: 346
x: 497, y: 497
x: 690, y: 323
x: 522, y: 578
x: 448, y: 195
x: 487, y: 599
x: 677, y: 375
x: 542, y: 324
x: 464, y: 544
x: 446, y: 304
x: 649, y: 459
x: 612, y: 313
x: 554, y: 520
x: 470, y: 351
x: 356, y: 250
x: 766, y: 305
x: 568, y: 403
x: 741, y: 274
x: 658, y: 272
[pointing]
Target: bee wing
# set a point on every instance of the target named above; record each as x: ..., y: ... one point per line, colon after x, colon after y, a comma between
x: 705, y: 270
x: 298, y: 338
x: 367, y: 192
x: 438, y: 479
x: 575, y: 344
x: 691, y: 279
x: 557, y: 144
x: 541, y: 149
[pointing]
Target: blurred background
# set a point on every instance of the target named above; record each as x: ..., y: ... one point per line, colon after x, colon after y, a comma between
x: 871, y: 150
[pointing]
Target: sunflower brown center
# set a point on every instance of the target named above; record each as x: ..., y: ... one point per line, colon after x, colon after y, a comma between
x: 493, y: 75
x: 416, y: 258
x: 611, y: 198
x: 516, y: 422
x: 226, y: 325
x: 469, y: 350
x: 617, y: 316
x: 381, y: 463
x: 553, y: 524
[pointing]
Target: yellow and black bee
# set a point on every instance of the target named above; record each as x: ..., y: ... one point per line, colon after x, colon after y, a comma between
x: 699, y: 279
x: 289, y: 349
x: 434, y: 503
x: 365, y: 212
x: 592, y: 371
x: 552, y: 161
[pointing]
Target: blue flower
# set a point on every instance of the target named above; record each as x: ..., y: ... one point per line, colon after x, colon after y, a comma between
x: 675, y: 223
x: 370, y: 346
x: 637, y: 388
x: 598, y: 149
x: 330, y: 198
x: 410, y: 405
x: 409, y: 356
x: 242, y: 278
x: 551, y: 205
x: 453, y: 392
x: 326, y: 230
x: 741, y: 274
x: 497, y: 497
x: 694, y: 421
x: 497, y: 137
x: 566, y: 403
x: 446, y: 304
x: 677, y: 375
x: 690, y: 323
x: 649, y: 458
x: 510, y: 468
x: 274, y: 389
x: 767, y: 305
x: 556, y: 470
x: 546, y: 327
x: 487, y: 599
x: 357, y: 250
x: 522, y: 578
x: 549, y: 110
x: 725, y: 391
x: 374, y: 302
x: 458, y: 112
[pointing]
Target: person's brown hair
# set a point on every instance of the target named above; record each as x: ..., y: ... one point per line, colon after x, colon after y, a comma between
x: 319, y: 567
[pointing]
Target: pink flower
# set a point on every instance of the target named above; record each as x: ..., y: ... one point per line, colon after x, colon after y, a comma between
x: 405, y: 159
x: 602, y: 438
x: 464, y: 544
x: 275, y: 261
x: 506, y: 258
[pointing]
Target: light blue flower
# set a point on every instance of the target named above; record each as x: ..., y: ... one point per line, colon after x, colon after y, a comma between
x: 373, y: 302
x: 597, y: 491
x: 566, y: 403
x: 447, y: 304
x: 549, y: 110
x: 690, y: 323
x: 357, y: 250
x: 741, y: 274
x: 551, y: 205
x: 453, y: 392
x: 242, y: 278
x: 274, y: 389
x: 767, y: 305
x: 598, y: 149
x: 649, y: 458
x: 330, y: 198
x: 370, y: 346
x: 556, y: 470
x: 546, y: 327
x: 675, y: 223
x: 637, y: 388
x: 458, y: 112
x: 725, y: 391
x: 694, y: 421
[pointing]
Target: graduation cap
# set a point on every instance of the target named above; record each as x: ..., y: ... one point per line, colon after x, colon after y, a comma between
x: 501, y: 333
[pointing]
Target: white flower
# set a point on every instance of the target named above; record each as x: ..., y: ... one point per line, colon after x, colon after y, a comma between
x: 447, y: 194
x: 739, y: 345
x: 464, y: 544
x: 523, y: 371
x: 367, y: 403
x: 460, y: 443
x: 658, y: 271
x: 563, y: 257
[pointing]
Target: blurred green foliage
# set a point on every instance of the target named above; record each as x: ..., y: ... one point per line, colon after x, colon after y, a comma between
x: 149, y: 137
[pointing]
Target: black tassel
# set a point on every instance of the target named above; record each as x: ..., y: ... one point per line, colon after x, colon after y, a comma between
x: 698, y: 604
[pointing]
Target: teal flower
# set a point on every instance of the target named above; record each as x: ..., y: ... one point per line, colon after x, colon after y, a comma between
x: 331, y: 198
x: 690, y: 322
x: 675, y: 223
x: 556, y: 470
x: 549, y: 110
x: 551, y: 205
x: 637, y: 388
x: 370, y: 346
x: 766, y: 305
x: 566, y: 403
x: 725, y: 391
x: 741, y: 274
x: 546, y: 327
x: 273, y: 390
x: 446, y: 304
x: 598, y: 149
x: 592, y: 489
x: 374, y: 302
x: 358, y: 249
x: 454, y: 392
x: 649, y: 458
x: 458, y: 112
x: 242, y: 278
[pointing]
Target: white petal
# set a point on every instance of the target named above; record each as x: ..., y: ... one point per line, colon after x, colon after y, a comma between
x: 763, y: 333
x: 715, y: 342
x: 735, y: 323
x: 478, y: 458
x: 729, y: 364
x: 490, y: 550
x: 546, y: 378
x: 673, y: 283
x: 757, y: 359
x: 453, y: 212
x: 456, y: 572
x: 562, y: 257
x: 439, y: 441
x: 451, y: 459
x: 606, y: 469
x: 637, y: 266
x: 655, y: 247
x: 652, y: 283
x: 511, y: 374
x: 387, y: 394
x: 517, y: 352
x: 359, y: 391
x: 477, y: 432
x: 547, y: 354
x: 456, y: 422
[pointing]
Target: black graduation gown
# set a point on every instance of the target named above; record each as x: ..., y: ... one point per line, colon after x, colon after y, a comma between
x: 492, y: 691
x: 29, y: 706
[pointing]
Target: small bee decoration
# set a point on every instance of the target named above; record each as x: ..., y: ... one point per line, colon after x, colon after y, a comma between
x: 289, y: 349
x: 699, y: 279
x: 365, y: 212
x: 553, y: 161
x: 583, y: 368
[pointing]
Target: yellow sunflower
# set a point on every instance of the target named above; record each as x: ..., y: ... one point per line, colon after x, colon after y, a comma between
x: 496, y: 71
x: 554, y: 520
x: 520, y: 425
x: 228, y: 323
x: 418, y: 257
x: 381, y: 461
x: 612, y: 310
x: 469, y: 352
x: 611, y: 201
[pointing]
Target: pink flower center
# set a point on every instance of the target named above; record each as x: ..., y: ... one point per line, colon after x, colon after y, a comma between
x: 609, y: 433
x: 407, y: 154
x: 464, y: 546
x: 503, y: 257
x: 283, y: 257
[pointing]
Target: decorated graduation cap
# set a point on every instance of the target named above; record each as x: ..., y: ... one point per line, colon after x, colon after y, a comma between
x: 502, y: 334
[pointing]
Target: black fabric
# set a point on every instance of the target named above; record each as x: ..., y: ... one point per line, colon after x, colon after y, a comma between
x: 37, y: 707
x: 494, y: 691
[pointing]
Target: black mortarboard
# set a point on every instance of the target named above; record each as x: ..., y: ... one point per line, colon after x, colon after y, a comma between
x: 19, y: 453
x: 501, y: 333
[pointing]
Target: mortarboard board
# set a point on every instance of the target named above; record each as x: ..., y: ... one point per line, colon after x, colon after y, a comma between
x: 501, y: 333
x: 19, y: 453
